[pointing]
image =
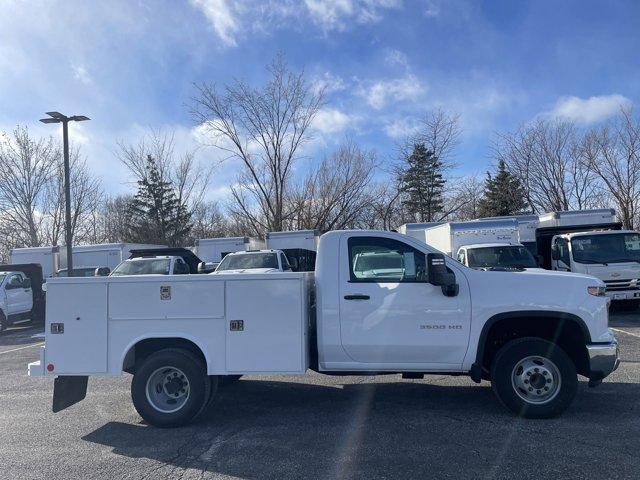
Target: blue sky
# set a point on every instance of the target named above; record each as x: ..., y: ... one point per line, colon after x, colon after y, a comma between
x: 130, y: 66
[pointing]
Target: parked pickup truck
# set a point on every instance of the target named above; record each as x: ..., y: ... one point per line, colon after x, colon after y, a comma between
x: 16, y: 298
x: 530, y: 333
x: 255, y: 261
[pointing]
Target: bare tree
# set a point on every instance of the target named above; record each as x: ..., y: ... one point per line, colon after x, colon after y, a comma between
x: 334, y: 194
x: 463, y: 202
x: 440, y: 132
x: 86, y: 193
x: 613, y: 153
x: 546, y: 156
x: 26, y: 169
x: 189, y: 177
x: 208, y: 222
x: 264, y: 129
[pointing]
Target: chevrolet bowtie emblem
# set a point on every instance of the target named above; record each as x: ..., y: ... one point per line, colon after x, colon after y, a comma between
x: 615, y: 274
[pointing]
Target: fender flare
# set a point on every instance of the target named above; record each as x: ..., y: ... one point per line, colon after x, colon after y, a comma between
x: 160, y: 336
x: 476, y: 368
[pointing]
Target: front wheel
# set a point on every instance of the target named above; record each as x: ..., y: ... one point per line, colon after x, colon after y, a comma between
x: 534, y: 378
x: 170, y: 388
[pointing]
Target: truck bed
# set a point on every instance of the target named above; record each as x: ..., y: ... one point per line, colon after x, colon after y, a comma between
x: 242, y: 323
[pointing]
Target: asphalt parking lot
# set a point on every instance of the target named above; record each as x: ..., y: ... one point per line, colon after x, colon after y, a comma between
x: 321, y: 427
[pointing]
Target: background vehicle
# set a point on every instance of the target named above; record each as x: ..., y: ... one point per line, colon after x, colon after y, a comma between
x: 417, y: 230
x: 527, y: 226
x: 215, y: 249
x: 487, y: 244
x: 299, y: 247
x: 47, y: 257
x: 105, y: 254
x: 153, y: 265
x: 259, y: 261
x: 79, y: 271
x: 529, y: 333
x: 16, y: 298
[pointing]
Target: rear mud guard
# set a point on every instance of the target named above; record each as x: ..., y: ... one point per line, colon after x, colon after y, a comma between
x: 67, y: 391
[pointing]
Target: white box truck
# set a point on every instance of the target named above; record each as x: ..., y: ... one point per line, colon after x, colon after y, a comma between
x: 90, y: 257
x: 487, y: 244
x: 299, y: 246
x: 592, y: 242
x: 417, y: 230
x: 527, y: 226
x: 214, y: 249
x: 47, y: 257
x: 379, y: 302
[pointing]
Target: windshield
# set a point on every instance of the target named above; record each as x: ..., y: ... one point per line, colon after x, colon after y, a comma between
x: 504, y: 256
x: 609, y: 248
x: 148, y: 266
x: 248, y: 260
x: 79, y: 272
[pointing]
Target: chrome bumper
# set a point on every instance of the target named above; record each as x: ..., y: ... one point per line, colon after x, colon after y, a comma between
x: 604, y: 358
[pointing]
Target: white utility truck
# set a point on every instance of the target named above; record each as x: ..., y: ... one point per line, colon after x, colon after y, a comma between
x: 257, y: 261
x: 299, y: 246
x: 215, y: 249
x: 529, y: 333
x: 47, y: 257
x: 592, y: 242
x: 487, y: 244
x: 16, y: 299
x: 527, y: 226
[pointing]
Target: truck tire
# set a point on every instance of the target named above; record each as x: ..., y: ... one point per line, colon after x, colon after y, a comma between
x: 215, y: 382
x: 3, y: 323
x: 170, y: 388
x: 534, y: 378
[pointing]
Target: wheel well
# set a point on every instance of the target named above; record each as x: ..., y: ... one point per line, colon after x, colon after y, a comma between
x: 566, y: 332
x: 141, y: 350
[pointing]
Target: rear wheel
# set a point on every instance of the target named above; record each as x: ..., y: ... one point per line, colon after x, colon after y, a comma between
x: 170, y: 388
x: 534, y: 378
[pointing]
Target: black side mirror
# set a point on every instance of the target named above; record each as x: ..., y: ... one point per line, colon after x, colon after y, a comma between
x: 26, y: 283
x: 555, y: 252
x: 102, y: 272
x: 438, y: 274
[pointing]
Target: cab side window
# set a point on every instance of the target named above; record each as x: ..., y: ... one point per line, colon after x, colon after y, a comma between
x: 462, y: 257
x: 180, y: 268
x: 16, y: 279
x: 384, y: 260
x: 563, y: 249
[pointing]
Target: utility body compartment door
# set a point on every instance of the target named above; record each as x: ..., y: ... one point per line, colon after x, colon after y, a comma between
x: 77, y: 344
x: 266, y: 325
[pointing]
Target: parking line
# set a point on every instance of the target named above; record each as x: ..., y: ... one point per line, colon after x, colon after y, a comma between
x: 624, y: 331
x: 22, y: 348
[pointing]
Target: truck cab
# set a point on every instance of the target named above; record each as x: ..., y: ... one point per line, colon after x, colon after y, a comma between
x: 497, y: 256
x: 157, y: 265
x: 257, y: 261
x: 613, y: 256
x: 16, y: 298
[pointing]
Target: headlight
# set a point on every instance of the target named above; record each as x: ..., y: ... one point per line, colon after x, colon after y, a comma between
x: 596, y: 291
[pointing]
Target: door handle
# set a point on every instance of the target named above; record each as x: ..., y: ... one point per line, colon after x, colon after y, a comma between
x: 356, y: 297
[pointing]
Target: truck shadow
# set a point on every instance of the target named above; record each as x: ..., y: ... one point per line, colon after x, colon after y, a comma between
x: 273, y: 429
x: 21, y: 335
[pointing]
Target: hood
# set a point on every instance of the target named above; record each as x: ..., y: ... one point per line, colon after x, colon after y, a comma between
x: 247, y: 270
x: 614, y: 271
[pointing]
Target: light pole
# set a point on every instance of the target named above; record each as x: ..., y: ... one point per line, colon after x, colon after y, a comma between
x: 57, y: 117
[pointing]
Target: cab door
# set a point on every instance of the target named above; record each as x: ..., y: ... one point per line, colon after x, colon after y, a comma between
x: 561, y: 258
x: 390, y: 315
x: 19, y: 297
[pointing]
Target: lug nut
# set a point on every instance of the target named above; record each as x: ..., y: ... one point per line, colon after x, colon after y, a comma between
x: 530, y: 389
x: 548, y: 380
x: 526, y: 381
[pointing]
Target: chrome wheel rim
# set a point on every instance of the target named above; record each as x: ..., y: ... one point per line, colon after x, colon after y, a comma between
x: 167, y: 389
x: 536, y: 380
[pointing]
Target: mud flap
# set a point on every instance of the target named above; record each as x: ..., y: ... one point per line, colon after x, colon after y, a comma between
x: 67, y: 391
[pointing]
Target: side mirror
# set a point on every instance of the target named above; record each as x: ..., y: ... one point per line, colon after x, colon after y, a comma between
x: 555, y: 252
x: 438, y: 274
x: 102, y: 272
x: 26, y: 283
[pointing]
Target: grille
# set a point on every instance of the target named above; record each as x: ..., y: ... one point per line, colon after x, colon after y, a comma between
x: 613, y: 285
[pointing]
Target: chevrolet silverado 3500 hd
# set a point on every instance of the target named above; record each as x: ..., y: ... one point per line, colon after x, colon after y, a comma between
x: 406, y: 309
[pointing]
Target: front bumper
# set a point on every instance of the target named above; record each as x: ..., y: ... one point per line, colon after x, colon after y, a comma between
x: 36, y: 369
x: 604, y: 358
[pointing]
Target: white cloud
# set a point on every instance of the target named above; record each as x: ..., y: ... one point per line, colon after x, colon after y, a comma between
x: 432, y: 10
x: 222, y: 19
x: 337, y: 14
x: 394, y: 57
x: 589, y: 110
x: 330, y: 120
x: 331, y: 83
x: 402, y: 128
x: 81, y: 74
x: 381, y: 92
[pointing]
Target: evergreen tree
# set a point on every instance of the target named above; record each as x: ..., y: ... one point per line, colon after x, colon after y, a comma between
x: 503, y: 194
x: 157, y: 216
x: 423, y: 185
